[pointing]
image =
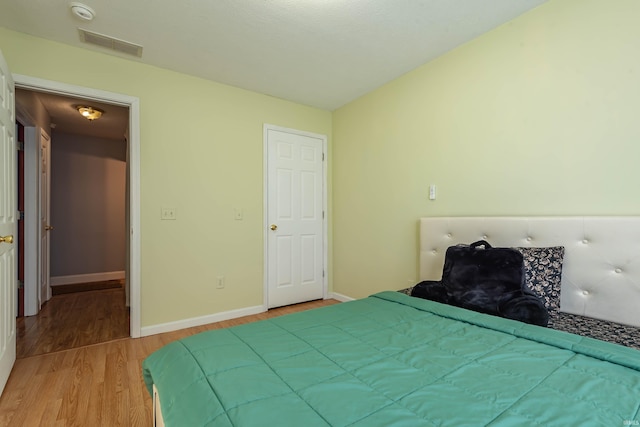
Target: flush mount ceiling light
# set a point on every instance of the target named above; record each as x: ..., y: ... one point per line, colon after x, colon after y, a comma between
x: 82, y: 11
x: 89, y: 113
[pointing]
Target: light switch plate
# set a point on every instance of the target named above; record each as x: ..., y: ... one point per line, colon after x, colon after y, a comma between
x: 168, y: 214
x: 237, y: 214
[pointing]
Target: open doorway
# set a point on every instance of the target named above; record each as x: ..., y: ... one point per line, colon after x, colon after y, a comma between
x: 94, y: 258
x: 80, y: 210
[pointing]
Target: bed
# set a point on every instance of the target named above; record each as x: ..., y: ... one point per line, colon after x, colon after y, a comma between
x: 394, y: 360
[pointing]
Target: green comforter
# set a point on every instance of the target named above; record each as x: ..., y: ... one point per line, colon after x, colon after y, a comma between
x: 394, y: 360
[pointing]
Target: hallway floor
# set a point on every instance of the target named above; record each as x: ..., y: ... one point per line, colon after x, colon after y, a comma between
x: 74, y: 320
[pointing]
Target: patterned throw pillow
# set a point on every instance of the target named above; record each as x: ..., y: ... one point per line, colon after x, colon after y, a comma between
x: 543, y: 274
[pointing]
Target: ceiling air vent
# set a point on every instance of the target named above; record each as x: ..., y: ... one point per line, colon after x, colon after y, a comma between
x: 110, y: 43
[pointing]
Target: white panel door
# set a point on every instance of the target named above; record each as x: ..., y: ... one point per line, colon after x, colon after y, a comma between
x: 8, y: 224
x: 295, y: 235
x: 44, y: 291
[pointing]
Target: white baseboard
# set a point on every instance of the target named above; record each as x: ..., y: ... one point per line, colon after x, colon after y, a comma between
x: 202, y: 320
x: 86, y: 278
x: 340, y: 297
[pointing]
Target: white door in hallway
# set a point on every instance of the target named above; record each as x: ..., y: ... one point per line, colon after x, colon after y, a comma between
x: 8, y: 224
x: 295, y: 235
x: 44, y: 291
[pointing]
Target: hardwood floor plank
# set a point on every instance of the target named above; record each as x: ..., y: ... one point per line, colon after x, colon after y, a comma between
x: 49, y: 416
x: 12, y: 401
x: 140, y: 410
x: 34, y: 399
x: 75, y: 400
x: 94, y: 410
x: 96, y: 385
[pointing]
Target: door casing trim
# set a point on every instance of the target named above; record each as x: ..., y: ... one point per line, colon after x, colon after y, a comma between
x: 133, y: 103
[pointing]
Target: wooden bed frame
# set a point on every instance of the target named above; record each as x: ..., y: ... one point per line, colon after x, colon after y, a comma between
x: 601, y: 271
x: 157, y: 410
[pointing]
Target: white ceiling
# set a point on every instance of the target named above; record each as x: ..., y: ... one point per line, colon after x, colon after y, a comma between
x: 322, y: 53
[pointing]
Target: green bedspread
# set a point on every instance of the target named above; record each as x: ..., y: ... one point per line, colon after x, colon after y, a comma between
x: 394, y: 360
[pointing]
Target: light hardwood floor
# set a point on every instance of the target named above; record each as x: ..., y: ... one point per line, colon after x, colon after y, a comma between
x: 97, y: 385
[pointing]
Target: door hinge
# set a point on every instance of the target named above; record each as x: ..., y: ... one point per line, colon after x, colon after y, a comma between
x: 20, y: 145
x: 322, y: 273
x: 323, y: 157
x: 20, y: 284
x: 20, y: 215
x: 322, y: 214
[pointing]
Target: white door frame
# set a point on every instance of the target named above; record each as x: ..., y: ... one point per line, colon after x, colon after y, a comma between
x: 133, y: 103
x: 31, y: 205
x: 265, y: 215
x: 44, y: 217
x: 32, y: 239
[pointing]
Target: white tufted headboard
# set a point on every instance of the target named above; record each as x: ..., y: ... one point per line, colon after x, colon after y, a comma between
x: 601, y: 270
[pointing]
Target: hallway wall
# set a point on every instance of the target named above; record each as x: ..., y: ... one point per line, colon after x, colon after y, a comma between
x: 88, y: 179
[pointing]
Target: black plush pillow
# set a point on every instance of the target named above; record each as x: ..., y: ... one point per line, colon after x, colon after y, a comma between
x: 525, y: 308
x: 543, y: 274
x: 431, y: 290
x: 489, y: 280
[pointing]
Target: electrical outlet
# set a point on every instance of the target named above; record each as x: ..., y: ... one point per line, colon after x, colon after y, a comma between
x: 168, y: 214
x: 220, y: 284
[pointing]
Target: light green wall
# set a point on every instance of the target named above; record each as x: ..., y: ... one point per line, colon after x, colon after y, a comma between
x: 201, y: 152
x: 538, y: 117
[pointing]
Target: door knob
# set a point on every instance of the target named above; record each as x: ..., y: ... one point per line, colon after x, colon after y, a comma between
x: 273, y: 227
x: 6, y: 239
x: 48, y: 227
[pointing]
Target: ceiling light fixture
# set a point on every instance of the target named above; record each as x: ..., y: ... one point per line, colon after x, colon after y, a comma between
x: 89, y: 113
x: 82, y: 11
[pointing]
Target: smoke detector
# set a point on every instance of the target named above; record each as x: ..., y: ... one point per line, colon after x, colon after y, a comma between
x: 82, y: 11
